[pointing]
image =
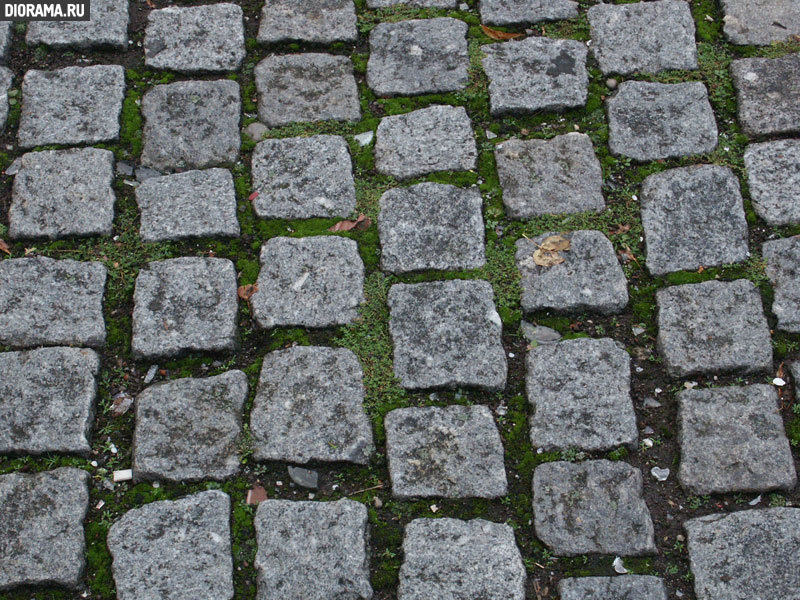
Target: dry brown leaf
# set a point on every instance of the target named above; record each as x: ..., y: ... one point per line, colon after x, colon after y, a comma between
x: 246, y: 292
x: 150, y: 3
x: 620, y: 229
x: 500, y: 35
x: 256, y: 495
x: 555, y: 243
x: 120, y: 404
x: 544, y: 258
x: 360, y: 224
x: 626, y: 255
x: 4, y: 247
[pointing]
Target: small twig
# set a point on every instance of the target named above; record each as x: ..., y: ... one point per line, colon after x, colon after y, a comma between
x: 375, y: 487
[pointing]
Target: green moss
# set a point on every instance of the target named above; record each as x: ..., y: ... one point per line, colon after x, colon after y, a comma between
x: 130, y: 132
x: 793, y: 431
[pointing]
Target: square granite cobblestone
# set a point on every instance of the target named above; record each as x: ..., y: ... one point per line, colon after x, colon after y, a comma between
x: 625, y: 587
x: 320, y: 22
x: 6, y: 34
x: 760, y: 22
x: 6, y: 80
x: 106, y: 27
x: 773, y: 176
x: 515, y: 12
x: 783, y: 266
x: 766, y: 92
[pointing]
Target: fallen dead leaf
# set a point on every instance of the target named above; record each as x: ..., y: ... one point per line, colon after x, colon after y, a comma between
x: 4, y: 247
x: 620, y: 229
x: 500, y: 35
x: 245, y: 292
x: 626, y: 255
x: 360, y: 224
x: 555, y: 243
x: 545, y: 258
x: 120, y: 404
x: 150, y: 3
x: 256, y: 495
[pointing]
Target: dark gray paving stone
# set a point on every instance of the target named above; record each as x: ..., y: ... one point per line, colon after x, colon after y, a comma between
x: 190, y: 204
x: 431, y: 226
x: 6, y: 79
x: 320, y: 22
x: 191, y: 124
x: 189, y: 39
x: 48, y: 400
x: 460, y: 560
x: 107, y: 27
x: 713, y: 326
x: 593, y: 507
x: 437, y: 138
x: 414, y: 3
x: 74, y: 105
x: 513, y: 12
x: 766, y: 92
x: 310, y: 407
x: 693, y: 217
x: 303, y: 177
x: 783, y: 264
x: 41, y: 528
x: 760, y: 22
x: 46, y: 302
x: 306, y: 87
x: 189, y: 429
x: 632, y: 587
x: 746, y: 555
x: 174, y: 550
x: 308, y: 282
x: 535, y: 74
x: 186, y: 304
x: 450, y: 452
x: 650, y: 121
x: 557, y: 176
x: 312, y: 550
x: 419, y: 56
x: 773, y: 176
x: 733, y: 440
x: 447, y: 334
x: 6, y: 35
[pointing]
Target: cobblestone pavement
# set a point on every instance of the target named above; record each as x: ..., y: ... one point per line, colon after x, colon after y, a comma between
x: 346, y: 299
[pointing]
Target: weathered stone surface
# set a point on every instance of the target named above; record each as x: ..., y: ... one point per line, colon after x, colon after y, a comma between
x: 306, y: 87
x: 452, y: 452
x: 693, y: 217
x: 74, y: 105
x: 773, y: 176
x: 638, y: 587
x: 59, y: 193
x: 746, y: 555
x: 312, y: 550
x: 308, y: 282
x: 6, y: 79
x: 303, y: 177
x: 195, y: 38
x: 461, y: 560
x: 190, y: 204
x: 447, y: 334
x: 437, y: 138
x: 151, y: 547
x: 713, y: 326
x: 766, y: 92
x: 48, y: 400
x: 556, y: 176
x: 185, y: 304
x: 107, y: 26
x: 732, y: 440
x: 419, y: 56
x: 41, y: 528
x: 189, y: 429
x: 591, y: 507
x: 192, y: 124
x: 320, y: 22
x: 760, y: 22
x: 535, y: 74
x: 309, y: 406
x: 589, y: 279
x: 649, y: 121
x: 6, y: 34
x: 46, y: 302
x: 513, y: 12
x: 431, y: 226
x: 783, y: 264
x: 645, y: 37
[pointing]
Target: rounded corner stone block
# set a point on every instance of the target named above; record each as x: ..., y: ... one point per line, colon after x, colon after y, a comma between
x: 638, y: 587
x: 760, y: 22
x: 516, y: 12
x: 766, y: 92
x: 773, y: 176
x: 107, y: 27
x: 320, y: 22
x: 783, y: 262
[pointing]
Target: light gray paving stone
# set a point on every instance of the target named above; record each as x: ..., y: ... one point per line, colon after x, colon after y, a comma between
x: 47, y: 302
x: 303, y: 177
x: 431, y: 226
x: 312, y: 550
x: 48, y: 400
x: 766, y: 92
x: 41, y: 528
x: 60, y: 193
x: 190, y: 204
x: 186, y: 304
x: 191, y: 124
x: 556, y: 176
x: 418, y: 56
x: 74, y: 105
x: 6, y: 79
x: 733, y: 440
x: 436, y: 138
x: 535, y: 74
x: 632, y: 587
x: 773, y: 176
x: 650, y: 121
x: 107, y: 26
x: 414, y: 3
x: 713, y: 326
x: 760, y: 22
x: 460, y: 560
x: 306, y: 87
x: 447, y: 334
x: 174, y: 550
x: 645, y: 37
x: 450, y: 452
x: 693, y: 217
x: 591, y: 507
x: 320, y: 22
x: 783, y: 264
x: 310, y: 407
x: 589, y: 279
x: 6, y: 35
x: 746, y: 555
x: 189, y: 39
x: 189, y: 429
x: 514, y: 12
x: 580, y: 393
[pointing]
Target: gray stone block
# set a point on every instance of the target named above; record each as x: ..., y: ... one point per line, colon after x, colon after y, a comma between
x: 760, y: 22
x: 107, y: 26
x: 783, y: 264
x: 773, y: 176
x: 766, y: 92
x: 6, y: 35
x: 514, y: 12
x: 6, y: 79
x: 450, y: 452
x: 638, y: 587
x: 315, y: 22
x: 593, y: 507
x: 447, y: 334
